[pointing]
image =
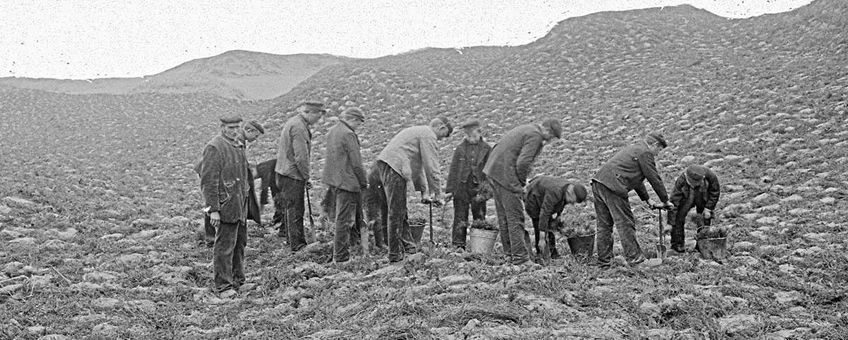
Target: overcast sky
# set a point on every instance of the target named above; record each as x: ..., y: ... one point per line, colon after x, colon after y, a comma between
x: 127, y: 38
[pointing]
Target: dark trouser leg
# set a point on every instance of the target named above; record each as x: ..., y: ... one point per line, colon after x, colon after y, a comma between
x: 623, y: 219
x: 512, y: 205
x: 399, y: 235
x: 678, y: 232
x: 603, y: 238
x: 280, y: 215
x: 502, y: 225
x: 328, y: 205
x: 223, y: 254
x: 293, y: 191
x: 347, y: 204
x: 238, y: 254
x: 459, y: 229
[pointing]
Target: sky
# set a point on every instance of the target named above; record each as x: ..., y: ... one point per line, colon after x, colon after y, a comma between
x: 83, y: 39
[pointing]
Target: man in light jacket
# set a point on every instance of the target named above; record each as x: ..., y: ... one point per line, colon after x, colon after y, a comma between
x: 507, y: 169
x: 293, y: 155
x: 411, y: 155
x: 345, y: 175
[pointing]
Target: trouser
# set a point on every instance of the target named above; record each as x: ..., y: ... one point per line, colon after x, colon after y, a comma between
x: 400, y: 236
x: 280, y: 214
x: 510, y: 208
x: 614, y: 210
x: 292, y: 191
x: 550, y: 236
x: 228, y: 255
x: 328, y: 205
x: 463, y: 202
x: 348, y: 214
x: 677, y: 219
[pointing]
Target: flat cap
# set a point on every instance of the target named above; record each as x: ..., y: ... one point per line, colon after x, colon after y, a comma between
x: 554, y: 125
x: 354, y: 113
x: 311, y: 105
x: 659, y: 138
x: 695, y: 173
x: 230, y: 120
x: 580, y: 192
x: 257, y: 126
x: 470, y: 124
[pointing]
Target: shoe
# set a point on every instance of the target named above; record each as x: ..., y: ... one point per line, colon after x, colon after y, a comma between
x: 555, y: 255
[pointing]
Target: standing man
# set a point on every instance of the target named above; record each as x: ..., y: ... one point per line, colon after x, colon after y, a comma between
x: 345, y: 176
x: 507, y: 168
x: 547, y: 196
x: 466, y: 180
x: 696, y: 187
x: 224, y: 176
x: 411, y: 155
x: 293, y: 154
x: 626, y: 171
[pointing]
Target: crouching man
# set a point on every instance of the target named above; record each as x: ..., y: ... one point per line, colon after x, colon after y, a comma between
x: 697, y: 187
x: 547, y: 196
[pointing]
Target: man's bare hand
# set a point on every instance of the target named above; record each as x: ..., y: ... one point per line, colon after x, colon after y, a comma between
x: 215, y: 219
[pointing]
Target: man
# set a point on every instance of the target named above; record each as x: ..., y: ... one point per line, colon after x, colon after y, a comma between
x: 293, y: 154
x: 624, y: 172
x: 696, y: 187
x: 411, y: 155
x: 345, y: 175
x: 250, y: 131
x: 466, y: 181
x: 507, y: 168
x: 547, y: 196
x: 224, y: 180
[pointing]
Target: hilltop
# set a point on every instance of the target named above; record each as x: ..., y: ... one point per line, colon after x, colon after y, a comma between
x: 241, y: 75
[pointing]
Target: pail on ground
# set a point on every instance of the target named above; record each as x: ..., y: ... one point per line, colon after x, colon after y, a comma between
x: 417, y: 229
x: 713, y: 248
x: 481, y: 241
x: 582, y: 247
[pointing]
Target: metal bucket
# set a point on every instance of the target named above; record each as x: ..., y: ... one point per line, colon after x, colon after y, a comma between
x: 417, y: 229
x: 713, y: 248
x: 481, y: 241
x: 582, y: 247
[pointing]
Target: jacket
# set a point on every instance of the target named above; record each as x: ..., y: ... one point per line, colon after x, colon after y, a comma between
x: 710, y: 190
x: 413, y: 153
x: 343, y: 166
x: 511, y: 160
x: 628, y: 169
x: 225, y: 180
x: 545, y: 197
x: 294, y: 149
x: 468, y: 159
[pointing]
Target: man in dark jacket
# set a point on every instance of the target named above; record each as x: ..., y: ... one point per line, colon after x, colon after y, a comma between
x: 507, y: 168
x: 696, y: 187
x: 293, y: 154
x: 411, y: 155
x: 547, y: 196
x: 624, y: 172
x: 224, y: 181
x: 466, y: 180
x: 345, y: 175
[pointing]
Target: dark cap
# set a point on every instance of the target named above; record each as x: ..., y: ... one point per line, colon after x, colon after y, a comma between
x: 447, y: 124
x: 256, y: 126
x: 695, y: 173
x: 470, y: 124
x: 580, y: 192
x: 230, y: 120
x: 354, y: 113
x: 313, y: 106
x: 659, y: 138
x: 554, y: 126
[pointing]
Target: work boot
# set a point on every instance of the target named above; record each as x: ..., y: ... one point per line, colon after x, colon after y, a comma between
x: 554, y: 254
